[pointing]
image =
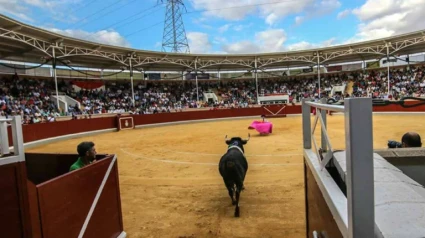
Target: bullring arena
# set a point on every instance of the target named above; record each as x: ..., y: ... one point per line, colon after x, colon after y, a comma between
x: 170, y: 186
x: 156, y: 175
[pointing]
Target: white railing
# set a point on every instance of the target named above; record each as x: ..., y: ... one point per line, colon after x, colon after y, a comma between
x: 359, y: 155
x: 18, y: 143
x: 321, y: 112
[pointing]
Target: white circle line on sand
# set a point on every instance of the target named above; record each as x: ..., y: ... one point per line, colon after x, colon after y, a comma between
x: 208, y: 154
x: 198, y: 163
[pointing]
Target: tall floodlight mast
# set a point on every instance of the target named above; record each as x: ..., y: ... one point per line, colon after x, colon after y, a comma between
x: 174, y: 37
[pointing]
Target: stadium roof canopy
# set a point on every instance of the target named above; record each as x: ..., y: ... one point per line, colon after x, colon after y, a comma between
x: 22, y: 42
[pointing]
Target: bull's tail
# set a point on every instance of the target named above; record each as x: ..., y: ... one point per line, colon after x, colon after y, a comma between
x: 238, y: 176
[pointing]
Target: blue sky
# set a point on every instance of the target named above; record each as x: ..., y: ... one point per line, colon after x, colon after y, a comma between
x: 224, y: 26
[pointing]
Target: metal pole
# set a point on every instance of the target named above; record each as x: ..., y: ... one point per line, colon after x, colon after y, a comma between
x: 323, y: 135
x: 318, y: 71
x: 56, y: 79
x: 131, y: 79
x: 256, y: 81
x: 359, y: 163
x: 196, y: 78
x: 306, y: 120
x: 388, y: 67
x: 408, y: 62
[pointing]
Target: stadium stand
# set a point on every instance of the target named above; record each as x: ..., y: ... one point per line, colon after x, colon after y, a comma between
x: 32, y: 97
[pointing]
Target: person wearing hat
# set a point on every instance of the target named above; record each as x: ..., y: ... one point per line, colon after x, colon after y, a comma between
x: 87, y: 155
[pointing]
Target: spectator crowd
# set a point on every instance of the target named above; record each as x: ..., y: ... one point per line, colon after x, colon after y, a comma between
x: 32, y: 98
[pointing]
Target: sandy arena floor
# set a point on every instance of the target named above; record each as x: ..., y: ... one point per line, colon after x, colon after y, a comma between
x: 170, y: 185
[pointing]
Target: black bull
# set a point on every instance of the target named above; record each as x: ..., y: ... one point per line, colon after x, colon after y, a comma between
x: 233, y: 167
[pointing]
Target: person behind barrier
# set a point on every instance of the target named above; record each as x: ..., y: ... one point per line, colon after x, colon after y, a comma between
x: 264, y: 118
x: 87, y: 155
x: 409, y: 139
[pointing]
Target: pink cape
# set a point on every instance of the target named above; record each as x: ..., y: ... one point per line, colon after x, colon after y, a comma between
x: 262, y: 127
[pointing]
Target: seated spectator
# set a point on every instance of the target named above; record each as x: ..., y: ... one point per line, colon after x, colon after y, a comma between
x: 411, y: 139
x: 87, y: 155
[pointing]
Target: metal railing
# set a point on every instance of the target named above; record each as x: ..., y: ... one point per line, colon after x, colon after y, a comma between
x: 359, y: 158
x: 18, y: 143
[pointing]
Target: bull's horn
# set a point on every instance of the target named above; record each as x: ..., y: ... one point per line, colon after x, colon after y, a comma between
x: 249, y: 136
x: 225, y: 137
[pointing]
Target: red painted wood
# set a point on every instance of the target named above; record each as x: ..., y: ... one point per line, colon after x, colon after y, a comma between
x: 12, y: 222
x: 65, y: 202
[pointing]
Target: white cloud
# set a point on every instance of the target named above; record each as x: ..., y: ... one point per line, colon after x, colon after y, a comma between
x: 233, y: 11
x: 270, y: 10
x: 343, y: 14
x: 15, y: 9
x: 377, y: 8
x: 304, y: 45
x: 384, y: 18
x: 224, y: 28
x: 199, y: 42
x: 274, y: 12
x: 299, y: 20
x: 311, y: 8
x: 219, y: 40
x: 265, y: 41
x: 270, y: 41
x: 242, y: 27
x: 104, y: 37
x: 58, y: 10
x: 317, y: 9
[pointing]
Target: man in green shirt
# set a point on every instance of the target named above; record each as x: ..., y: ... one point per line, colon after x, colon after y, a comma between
x: 87, y: 154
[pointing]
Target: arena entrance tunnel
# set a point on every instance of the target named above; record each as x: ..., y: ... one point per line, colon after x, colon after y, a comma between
x: 359, y: 192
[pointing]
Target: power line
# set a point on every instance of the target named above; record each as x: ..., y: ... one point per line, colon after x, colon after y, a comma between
x: 217, y: 9
x: 110, y: 5
x: 129, y: 18
x: 143, y: 29
x: 241, y: 6
x: 102, y: 33
x: 70, y: 12
x: 113, y: 10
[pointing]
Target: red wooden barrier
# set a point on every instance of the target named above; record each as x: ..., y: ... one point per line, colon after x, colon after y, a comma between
x: 64, y: 203
x: 41, y: 131
x: 14, y: 208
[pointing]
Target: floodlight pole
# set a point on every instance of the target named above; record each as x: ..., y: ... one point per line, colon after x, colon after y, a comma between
x: 131, y: 79
x: 56, y: 79
x: 256, y: 81
x: 318, y: 71
x: 196, y: 79
x: 388, y: 68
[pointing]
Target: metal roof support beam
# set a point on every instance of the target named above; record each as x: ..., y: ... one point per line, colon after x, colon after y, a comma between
x: 76, y: 51
x: 25, y: 34
x: 318, y: 71
x: 196, y: 78
x: 56, y: 79
x: 131, y: 79
x: 41, y: 45
x: 256, y: 80
x: 13, y: 28
x: 19, y: 53
x: 388, y: 68
x: 398, y: 45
